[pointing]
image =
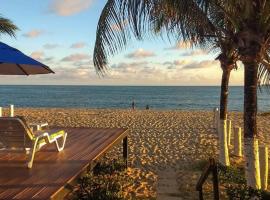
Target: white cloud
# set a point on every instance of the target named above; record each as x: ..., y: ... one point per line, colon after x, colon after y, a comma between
x: 146, y: 73
x: 78, y: 74
x: 76, y: 57
x: 136, y: 73
x: 177, y: 63
x: 41, y: 57
x: 37, y: 55
x: 202, y: 65
x: 79, y: 69
x: 180, y: 46
x: 141, y: 53
x: 78, y: 45
x: 69, y: 7
x: 33, y: 33
x: 197, y: 52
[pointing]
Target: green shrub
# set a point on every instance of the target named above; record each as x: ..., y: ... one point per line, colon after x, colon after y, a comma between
x: 231, y: 175
x: 105, y: 182
x: 243, y: 192
x: 109, y: 167
x: 235, y: 183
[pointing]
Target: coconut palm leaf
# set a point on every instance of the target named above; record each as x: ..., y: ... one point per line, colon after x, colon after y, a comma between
x: 7, y: 27
x: 116, y: 23
x: 122, y: 19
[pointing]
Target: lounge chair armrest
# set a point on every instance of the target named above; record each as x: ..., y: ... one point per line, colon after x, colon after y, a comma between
x: 38, y: 126
x: 40, y: 134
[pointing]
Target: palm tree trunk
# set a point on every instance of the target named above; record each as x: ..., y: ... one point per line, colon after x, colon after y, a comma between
x: 222, y: 130
x: 224, y: 92
x: 250, y: 124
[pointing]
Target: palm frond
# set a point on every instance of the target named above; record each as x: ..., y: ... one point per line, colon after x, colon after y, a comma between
x: 7, y: 27
x: 118, y: 20
x: 264, y: 76
x: 140, y: 18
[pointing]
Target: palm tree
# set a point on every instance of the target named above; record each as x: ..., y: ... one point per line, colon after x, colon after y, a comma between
x: 250, y: 20
x: 186, y: 24
x: 202, y: 22
x: 247, y: 30
x: 227, y: 59
x: 7, y: 27
x: 217, y: 39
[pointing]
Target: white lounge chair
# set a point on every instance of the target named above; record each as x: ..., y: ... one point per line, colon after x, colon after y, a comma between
x: 15, y: 134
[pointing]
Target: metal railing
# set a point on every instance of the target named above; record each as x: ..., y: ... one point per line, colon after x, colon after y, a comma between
x: 211, y: 167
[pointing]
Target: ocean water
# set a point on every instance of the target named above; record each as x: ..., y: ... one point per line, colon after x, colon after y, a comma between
x: 164, y: 97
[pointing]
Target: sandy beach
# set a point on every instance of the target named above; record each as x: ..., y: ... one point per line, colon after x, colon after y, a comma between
x: 165, y: 147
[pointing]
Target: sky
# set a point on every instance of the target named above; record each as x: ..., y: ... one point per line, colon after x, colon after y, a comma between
x: 61, y: 34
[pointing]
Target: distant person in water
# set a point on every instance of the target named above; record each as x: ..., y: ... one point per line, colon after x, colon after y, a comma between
x: 133, y: 105
x: 147, y: 107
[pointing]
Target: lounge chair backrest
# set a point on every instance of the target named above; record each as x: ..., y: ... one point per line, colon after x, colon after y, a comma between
x: 14, y: 133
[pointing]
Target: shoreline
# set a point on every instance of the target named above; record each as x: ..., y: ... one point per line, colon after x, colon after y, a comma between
x: 124, y: 109
x: 6, y: 109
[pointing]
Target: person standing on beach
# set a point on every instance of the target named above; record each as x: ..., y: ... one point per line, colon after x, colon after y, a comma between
x: 133, y: 105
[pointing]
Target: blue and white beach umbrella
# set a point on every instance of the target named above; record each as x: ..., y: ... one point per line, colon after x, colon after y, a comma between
x: 14, y: 62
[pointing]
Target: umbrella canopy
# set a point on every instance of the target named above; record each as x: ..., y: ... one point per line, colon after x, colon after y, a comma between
x: 14, y: 62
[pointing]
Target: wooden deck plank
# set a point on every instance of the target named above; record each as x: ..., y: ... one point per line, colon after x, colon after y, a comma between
x: 52, y: 170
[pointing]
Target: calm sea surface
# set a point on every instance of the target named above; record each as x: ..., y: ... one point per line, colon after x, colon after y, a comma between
x: 201, y: 98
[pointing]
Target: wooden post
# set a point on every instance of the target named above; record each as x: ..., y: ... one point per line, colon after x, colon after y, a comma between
x: 215, y: 180
x: 200, y: 194
x: 263, y: 154
x: 237, y: 142
x: 214, y: 118
x: 11, y: 110
x: 217, y: 119
x: 229, y: 131
x: 125, y: 150
x: 211, y: 167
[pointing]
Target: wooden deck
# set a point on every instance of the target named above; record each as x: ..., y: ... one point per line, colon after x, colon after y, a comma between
x: 52, y: 171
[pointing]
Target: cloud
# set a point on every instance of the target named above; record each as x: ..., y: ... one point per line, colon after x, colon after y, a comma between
x: 189, y: 64
x: 124, y: 67
x: 76, y: 57
x: 33, y: 33
x: 147, y: 73
x: 40, y: 56
x: 50, y: 46
x: 69, y: 7
x: 78, y: 74
x: 37, y: 55
x: 78, y: 45
x: 176, y: 63
x: 132, y: 73
x: 202, y: 65
x: 180, y: 46
x: 136, y: 72
x: 197, y: 52
x: 48, y: 59
x: 180, y: 62
x: 141, y: 53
